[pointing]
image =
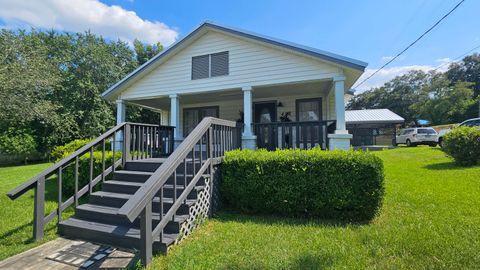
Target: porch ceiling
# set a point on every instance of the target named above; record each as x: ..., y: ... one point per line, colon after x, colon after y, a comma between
x: 305, y: 88
x: 271, y: 91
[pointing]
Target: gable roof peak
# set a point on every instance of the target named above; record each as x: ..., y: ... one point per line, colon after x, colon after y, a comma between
x: 316, y: 53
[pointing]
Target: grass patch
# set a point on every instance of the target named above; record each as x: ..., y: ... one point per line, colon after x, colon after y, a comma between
x: 430, y: 220
x: 16, y: 217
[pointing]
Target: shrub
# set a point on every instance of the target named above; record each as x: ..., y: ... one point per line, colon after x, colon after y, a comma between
x: 68, y: 175
x: 463, y: 144
x: 63, y: 151
x: 344, y: 185
x: 17, y: 142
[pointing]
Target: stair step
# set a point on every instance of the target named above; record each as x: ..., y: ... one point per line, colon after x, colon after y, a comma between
x: 129, y: 187
x: 115, y: 235
x: 142, y: 177
x: 113, y: 199
x: 134, y: 176
x: 151, y: 165
x: 108, y: 215
x: 147, y: 165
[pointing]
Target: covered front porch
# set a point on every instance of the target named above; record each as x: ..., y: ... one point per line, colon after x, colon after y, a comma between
x: 294, y: 115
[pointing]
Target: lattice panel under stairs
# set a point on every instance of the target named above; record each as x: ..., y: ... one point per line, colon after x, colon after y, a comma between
x: 198, y: 212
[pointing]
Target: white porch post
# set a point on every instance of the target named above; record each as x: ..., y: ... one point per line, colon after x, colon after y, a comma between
x: 121, y: 114
x: 340, y: 139
x: 249, y: 141
x: 175, y: 118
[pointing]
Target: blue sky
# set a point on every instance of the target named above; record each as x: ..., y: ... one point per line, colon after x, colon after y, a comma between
x: 371, y: 31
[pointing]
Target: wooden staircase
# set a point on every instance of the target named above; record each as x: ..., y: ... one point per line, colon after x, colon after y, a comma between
x: 150, y: 197
x: 97, y: 220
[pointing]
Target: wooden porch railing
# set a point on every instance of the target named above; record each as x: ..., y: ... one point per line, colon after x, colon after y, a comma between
x: 201, y: 150
x: 304, y: 135
x: 139, y: 140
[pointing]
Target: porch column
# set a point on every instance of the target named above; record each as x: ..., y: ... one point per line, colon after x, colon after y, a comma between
x: 121, y: 117
x: 340, y: 139
x: 175, y: 118
x: 249, y: 141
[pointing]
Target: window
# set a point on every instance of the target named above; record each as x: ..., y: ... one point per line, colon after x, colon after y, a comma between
x: 210, y: 65
x: 193, y: 116
x: 200, y: 67
x: 426, y: 131
x: 309, y: 109
x: 471, y: 123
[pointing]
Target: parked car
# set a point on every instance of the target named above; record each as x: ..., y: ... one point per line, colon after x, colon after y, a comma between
x: 416, y: 136
x: 474, y: 122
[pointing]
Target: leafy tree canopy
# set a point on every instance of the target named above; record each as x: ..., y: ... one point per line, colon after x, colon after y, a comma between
x: 51, y: 83
x: 442, y: 98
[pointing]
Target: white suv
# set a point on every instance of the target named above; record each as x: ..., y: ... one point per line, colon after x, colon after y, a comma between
x: 416, y: 136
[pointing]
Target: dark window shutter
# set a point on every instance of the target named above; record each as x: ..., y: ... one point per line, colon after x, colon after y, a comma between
x: 200, y: 67
x: 219, y: 63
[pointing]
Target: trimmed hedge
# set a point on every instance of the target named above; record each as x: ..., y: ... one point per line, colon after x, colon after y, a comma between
x: 68, y: 174
x: 343, y: 185
x: 463, y: 144
x: 63, y: 151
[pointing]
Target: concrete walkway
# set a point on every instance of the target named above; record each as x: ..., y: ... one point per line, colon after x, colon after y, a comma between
x: 66, y: 254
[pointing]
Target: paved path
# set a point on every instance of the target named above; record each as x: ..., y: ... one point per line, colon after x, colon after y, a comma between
x: 66, y: 254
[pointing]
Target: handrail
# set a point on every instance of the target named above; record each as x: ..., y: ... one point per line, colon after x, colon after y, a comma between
x: 24, y: 187
x: 135, y: 205
x: 140, y: 140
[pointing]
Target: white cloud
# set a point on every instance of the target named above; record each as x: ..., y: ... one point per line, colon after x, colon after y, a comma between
x: 386, y: 58
x: 387, y: 74
x: 443, y: 60
x: 80, y: 15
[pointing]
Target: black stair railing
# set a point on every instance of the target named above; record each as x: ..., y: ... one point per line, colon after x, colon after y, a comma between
x: 203, y: 148
x: 131, y: 140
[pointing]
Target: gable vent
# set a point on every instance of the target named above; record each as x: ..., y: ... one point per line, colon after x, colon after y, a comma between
x: 200, y: 67
x: 219, y: 62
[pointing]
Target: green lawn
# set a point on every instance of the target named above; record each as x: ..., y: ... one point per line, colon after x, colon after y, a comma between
x: 16, y: 216
x: 430, y: 219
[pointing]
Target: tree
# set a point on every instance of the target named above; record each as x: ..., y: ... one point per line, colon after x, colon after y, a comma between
x: 396, y: 95
x: 28, y: 79
x: 145, y: 52
x: 442, y: 102
x: 52, y: 84
x: 467, y: 70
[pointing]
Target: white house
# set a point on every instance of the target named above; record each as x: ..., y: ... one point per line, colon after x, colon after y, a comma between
x: 286, y: 95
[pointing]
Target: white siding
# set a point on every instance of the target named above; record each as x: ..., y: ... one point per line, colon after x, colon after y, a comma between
x: 250, y: 64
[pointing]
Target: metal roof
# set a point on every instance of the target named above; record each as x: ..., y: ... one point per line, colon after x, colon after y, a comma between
x: 324, y: 55
x: 378, y: 116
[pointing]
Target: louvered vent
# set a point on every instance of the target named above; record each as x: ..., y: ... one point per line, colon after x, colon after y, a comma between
x: 219, y: 62
x: 200, y: 67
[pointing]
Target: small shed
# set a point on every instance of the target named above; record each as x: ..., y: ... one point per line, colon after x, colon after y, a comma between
x: 372, y: 127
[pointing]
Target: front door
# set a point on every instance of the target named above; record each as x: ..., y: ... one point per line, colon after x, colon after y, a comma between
x: 265, y: 113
